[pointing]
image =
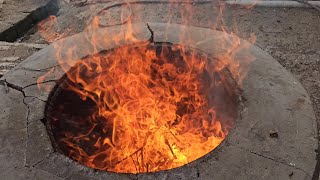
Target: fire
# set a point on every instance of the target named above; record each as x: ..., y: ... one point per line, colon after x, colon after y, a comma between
x: 154, y: 104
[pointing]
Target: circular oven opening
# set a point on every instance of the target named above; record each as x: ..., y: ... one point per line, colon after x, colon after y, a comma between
x: 142, y: 108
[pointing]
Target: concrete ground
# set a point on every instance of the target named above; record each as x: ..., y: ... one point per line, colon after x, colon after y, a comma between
x: 17, y: 17
x: 13, y: 11
x: 274, y: 102
x: 290, y: 35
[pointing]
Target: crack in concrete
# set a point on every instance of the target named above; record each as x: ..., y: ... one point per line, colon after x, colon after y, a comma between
x: 198, y: 172
x: 20, y: 89
x: 153, y: 174
x: 43, y: 69
x: 277, y: 161
x: 255, y: 133
x: 40, y: 161
x: 50, y: 173
x: 27, y: 127
x: 43, y: 82
x: 152, y: 34
x: 12, y: 86
x: 6, y: 87
x: 36, y: 98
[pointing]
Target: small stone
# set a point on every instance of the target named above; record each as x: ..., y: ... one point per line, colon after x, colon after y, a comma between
x: 291, y: 174
x: 273, y: 134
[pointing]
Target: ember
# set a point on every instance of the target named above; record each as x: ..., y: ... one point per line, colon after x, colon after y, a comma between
x: 142, y: 108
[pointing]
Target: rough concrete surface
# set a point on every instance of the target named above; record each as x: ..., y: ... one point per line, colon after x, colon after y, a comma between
x: 14, y: 138
x: 18, y: 16
x: 290, y: 35
x: 275, y: 101
x: 12, y: 54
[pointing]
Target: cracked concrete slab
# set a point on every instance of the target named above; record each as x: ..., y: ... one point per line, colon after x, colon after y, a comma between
x: 13, y: 133
x: 287, y: 109
x: 275, y: 101
x: 16, y: 146
x: 17, y: 76
x: 39, y: 145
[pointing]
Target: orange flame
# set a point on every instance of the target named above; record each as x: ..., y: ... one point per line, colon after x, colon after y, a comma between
x: 157, y: 109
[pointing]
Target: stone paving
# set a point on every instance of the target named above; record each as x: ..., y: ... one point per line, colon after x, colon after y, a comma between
x: 19, y: 16
x: 12, y: 54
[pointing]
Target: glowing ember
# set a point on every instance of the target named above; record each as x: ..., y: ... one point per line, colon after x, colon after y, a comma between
x: 142, y: 109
